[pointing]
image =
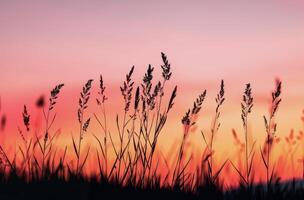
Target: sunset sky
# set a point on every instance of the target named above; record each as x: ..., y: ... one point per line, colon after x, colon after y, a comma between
x: 44, y: 43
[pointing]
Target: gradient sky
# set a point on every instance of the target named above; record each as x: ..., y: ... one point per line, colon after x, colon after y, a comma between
x: 43, y: 43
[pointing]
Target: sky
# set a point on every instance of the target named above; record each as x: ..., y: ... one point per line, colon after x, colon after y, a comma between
x: 44, y: 43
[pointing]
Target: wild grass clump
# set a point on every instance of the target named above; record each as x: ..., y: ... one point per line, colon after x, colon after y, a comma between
x: 180, y: 178
x: 128, y: 159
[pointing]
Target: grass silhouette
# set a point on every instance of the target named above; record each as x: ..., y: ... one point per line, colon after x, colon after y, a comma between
x: 135, y: 170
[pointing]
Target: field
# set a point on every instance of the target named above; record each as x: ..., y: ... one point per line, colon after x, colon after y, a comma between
x: 128, y: 160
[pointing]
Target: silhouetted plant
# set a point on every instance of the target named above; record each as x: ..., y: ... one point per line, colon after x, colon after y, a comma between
x: 214, y: 129
x: 83, y: 124
x: 271, y: 128
x: 46, y: 146
x: 126, y: 91
x: 5, y: 160
x: 40, y: 102
x: 3, y: 118
x: 3, y: 122
x: 158, y: 95
x: 246, y: 106
x: 300, y: 138
x: 103, y: 143
x: 135, y: 169
x: 188, y: 121
x: 26, y: 118
x: 246, y: 109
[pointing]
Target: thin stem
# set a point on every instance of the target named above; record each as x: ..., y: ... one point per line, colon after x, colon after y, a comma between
x: 268, y: 152
x: 120, y: 154
x: 45, y: 138
x: 246, y: 146
x: 105, y: 138
x: 159, y: 104
x: 211, y: 144
x: 79, y: 142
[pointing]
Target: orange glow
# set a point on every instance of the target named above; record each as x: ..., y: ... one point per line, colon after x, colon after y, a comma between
x: 44, y: 44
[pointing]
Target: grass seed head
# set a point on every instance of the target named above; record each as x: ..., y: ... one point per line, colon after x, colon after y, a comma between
x: 166, y: 67
x: 26, y: 118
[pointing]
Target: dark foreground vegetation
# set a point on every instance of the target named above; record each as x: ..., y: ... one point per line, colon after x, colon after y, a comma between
x: 93, y: 188
x: 38, y: 171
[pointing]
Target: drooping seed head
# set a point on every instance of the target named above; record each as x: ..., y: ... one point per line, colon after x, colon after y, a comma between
x: 166, y: 67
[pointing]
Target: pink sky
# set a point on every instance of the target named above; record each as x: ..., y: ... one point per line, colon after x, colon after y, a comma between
x: 45, y: 43
x: 72, y: 40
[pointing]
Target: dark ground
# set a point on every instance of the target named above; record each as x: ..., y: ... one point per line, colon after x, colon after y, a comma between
x: 55, y: 188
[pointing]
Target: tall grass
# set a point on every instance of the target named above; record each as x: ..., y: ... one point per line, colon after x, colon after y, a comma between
x: 48, y: 124
x: 246, y: 107
x: 271, y: 128
x: 179, y: 179
x: 137, y: 162
x: 83, y: 125
x: 212, y: 176
x: 102, y: 142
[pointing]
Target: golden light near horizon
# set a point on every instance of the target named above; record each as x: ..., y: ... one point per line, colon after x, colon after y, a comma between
x: 47, y: 43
